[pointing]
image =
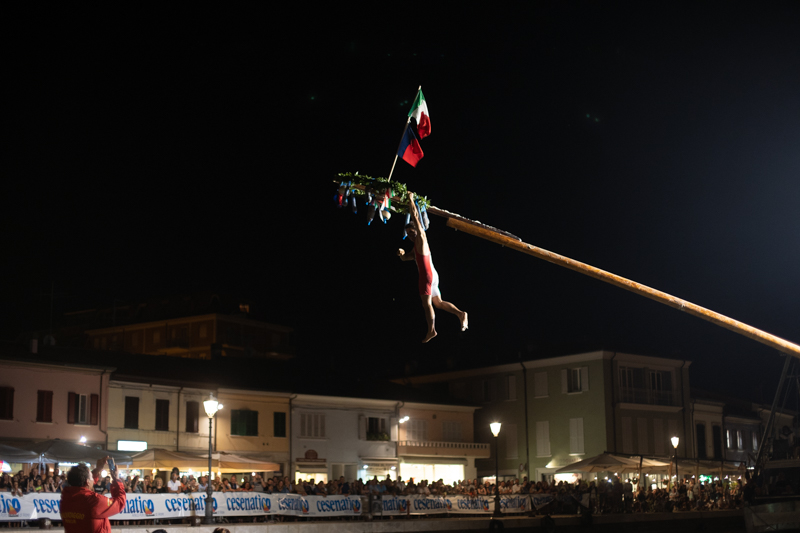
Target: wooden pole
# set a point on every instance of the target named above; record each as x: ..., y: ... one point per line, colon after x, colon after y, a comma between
x: 389, y: 180
x: 624, y: 283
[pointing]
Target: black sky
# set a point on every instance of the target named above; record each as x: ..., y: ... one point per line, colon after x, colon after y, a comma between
x: 164, y: 152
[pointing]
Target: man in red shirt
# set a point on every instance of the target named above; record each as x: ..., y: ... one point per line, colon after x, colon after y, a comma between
x: 84, y: 511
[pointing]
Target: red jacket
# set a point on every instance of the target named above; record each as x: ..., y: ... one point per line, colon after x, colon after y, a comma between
x: 84, y: 511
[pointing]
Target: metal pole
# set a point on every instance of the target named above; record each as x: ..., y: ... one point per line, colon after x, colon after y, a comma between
x: 497, y: 513
x: 768, y: 433
x: 209, y: 499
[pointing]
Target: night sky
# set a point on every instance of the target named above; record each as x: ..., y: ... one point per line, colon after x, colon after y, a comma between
x: 169, y: 152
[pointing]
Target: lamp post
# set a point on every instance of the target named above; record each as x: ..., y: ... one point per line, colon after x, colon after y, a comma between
x: 211, y: 406
x: 675, y: 441
x: 495, y: 427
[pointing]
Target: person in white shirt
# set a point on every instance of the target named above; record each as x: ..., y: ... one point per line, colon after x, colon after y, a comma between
x: 174, y: 484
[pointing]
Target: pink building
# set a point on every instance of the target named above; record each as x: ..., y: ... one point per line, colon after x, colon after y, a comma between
x: 41, y: 400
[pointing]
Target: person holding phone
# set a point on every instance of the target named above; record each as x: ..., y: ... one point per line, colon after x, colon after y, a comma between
x: 83, y: 510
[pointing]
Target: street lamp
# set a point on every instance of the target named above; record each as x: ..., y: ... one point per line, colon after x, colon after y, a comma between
x: 495, y: 427
x: 675, y: 441
x: 211, y: 406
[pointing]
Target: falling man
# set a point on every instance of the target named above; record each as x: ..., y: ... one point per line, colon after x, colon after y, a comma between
x: 428, y: 277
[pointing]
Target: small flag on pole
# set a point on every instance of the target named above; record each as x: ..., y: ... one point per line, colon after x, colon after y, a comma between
x: 410, y: 150
x: 422, y: 119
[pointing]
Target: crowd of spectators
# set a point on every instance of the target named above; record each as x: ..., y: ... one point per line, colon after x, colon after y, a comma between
x: 596, y: 497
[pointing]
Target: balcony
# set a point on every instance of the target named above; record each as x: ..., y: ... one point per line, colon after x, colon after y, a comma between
x: 477, y: 450
x: 648, y: 397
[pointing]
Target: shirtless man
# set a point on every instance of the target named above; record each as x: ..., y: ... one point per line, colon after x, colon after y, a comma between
x: 428, y: 277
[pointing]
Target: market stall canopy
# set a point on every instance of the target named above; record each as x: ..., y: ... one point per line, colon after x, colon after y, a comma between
x: 230, y: 463
x: 57, y: 450
x: 165, y: 459
x: 605, y: 462
x: 10, y: 454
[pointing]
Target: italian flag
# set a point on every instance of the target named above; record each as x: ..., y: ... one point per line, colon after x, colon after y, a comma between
x: 419, y: 112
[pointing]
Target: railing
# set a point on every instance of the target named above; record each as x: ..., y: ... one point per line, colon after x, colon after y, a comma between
x: 454, y: 445
x: 647, y: 396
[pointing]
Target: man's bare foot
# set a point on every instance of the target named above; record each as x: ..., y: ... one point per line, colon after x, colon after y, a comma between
x: 464, y: 321
x: 431, y: 334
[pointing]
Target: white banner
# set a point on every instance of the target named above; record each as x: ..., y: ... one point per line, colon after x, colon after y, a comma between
x: 455, y: 504
x: 152, y: 506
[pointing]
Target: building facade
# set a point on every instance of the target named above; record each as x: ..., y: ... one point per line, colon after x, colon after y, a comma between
x: 560, y: 410
x: 42, y: 401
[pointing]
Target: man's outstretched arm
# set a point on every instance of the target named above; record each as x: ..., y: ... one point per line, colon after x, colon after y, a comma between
x: 412, y: 209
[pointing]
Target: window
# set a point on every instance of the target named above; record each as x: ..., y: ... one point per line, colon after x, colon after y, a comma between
x: 417, y: 430
x: 755, y: 441
x: 44, y: 406
x: 279, y: 424
x: 376, y: 429
x: 540, y: 384
x: 509, y: 434
x: 6, y: 403
x: 312, y: 425
x: 543, y: 439
x: 156, y: 337
x: 83, y: 410
x: 131, y: 412
x: 728, y: 441
x: 244, y: 423
x: 576, y: 436
x: 192, y: 417
x: 162, y: 415
x: 739, y: 439
x: 203, y: 332
x: 451, y: 431
x: 511, y: 388
x: 574, y: 379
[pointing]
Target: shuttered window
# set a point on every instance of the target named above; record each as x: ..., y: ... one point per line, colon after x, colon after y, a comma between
x: 131, y: 412
x: 192, y: 417
x: 94, y: 409
x: 543, y: 439
x: 279, y: 424
x: 244, y: 423
x: 162, y: 415
x: 44, y: 406
x: 576, y: 436
x: 6, y: 403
